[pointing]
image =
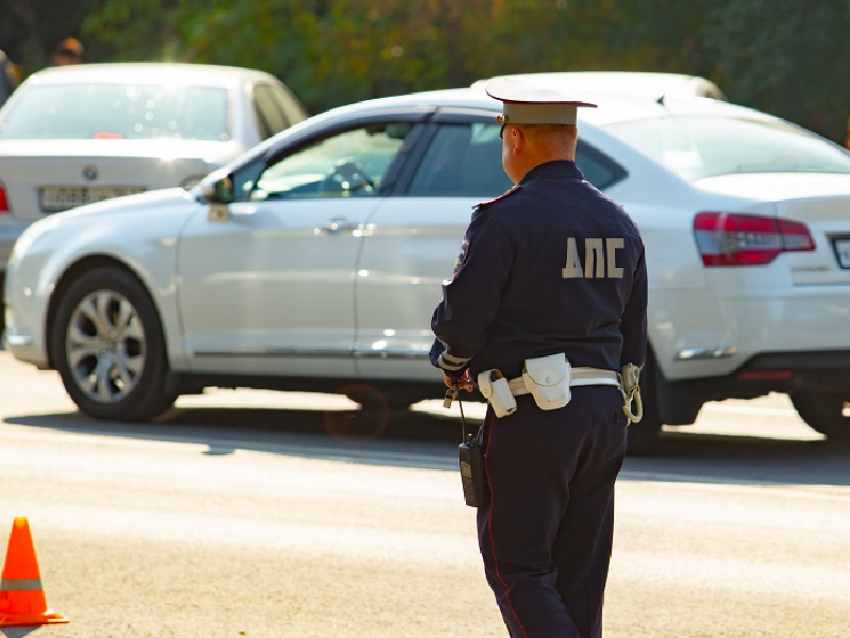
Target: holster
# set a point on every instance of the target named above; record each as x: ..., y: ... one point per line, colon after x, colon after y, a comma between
x: 547, y: 379
x: 495, y: 389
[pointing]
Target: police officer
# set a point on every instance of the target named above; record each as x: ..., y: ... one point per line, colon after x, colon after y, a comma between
x: 551, y: 271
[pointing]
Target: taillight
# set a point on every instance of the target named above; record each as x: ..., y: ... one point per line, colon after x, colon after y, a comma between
x: 4, y: 203
x: 731, y: 239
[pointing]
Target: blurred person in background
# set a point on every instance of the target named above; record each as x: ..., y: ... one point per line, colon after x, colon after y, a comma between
x: 67, y: 51
x: 10, y: 77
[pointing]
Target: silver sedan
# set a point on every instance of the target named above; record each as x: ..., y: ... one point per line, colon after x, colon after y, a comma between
x: 79, y: 134
x: 315, y: 260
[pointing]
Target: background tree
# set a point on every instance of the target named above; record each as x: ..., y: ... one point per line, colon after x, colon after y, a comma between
x: 782, y: 56
x: 29, y: 29
x: 785, y: 57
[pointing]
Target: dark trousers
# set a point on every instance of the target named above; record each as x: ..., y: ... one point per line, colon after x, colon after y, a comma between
x: 547, y: 531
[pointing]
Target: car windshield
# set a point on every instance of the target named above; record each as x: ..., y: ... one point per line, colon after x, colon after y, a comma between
x: 119, y: 111
x: 698, y: 147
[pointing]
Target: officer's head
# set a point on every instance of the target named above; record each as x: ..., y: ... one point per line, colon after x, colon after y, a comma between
x: 538, y: 125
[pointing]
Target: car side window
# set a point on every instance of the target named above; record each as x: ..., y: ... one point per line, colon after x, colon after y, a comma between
x: 293, y: 110
x: 597, y: 168
x: 463, y: 160
x: 353, y: 163
x: 270, y: 117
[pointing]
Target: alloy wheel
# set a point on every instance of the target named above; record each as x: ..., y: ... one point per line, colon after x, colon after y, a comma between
x: 105, y: 346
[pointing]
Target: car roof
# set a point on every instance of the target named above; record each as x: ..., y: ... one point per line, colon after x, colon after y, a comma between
x: 611, y: 108
x: 145, y: 72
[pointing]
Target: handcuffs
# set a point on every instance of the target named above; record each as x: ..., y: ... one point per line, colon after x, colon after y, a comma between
x: 630, y: 387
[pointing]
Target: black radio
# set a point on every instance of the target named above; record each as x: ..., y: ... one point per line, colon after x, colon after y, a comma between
x: 472, y: 473
x: 471, y: 456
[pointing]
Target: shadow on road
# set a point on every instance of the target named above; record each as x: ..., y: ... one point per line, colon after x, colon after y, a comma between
x: 409, y: 439
x: 415, y: 439
x: 714, y: 458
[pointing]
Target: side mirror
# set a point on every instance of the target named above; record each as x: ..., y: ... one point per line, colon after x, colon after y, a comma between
x: 219, y: 191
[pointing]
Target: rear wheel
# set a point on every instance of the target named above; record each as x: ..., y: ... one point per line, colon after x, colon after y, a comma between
x: 108, y: 347
x: 366, y: 423
x: 2, y: 307
x: 827, y: 412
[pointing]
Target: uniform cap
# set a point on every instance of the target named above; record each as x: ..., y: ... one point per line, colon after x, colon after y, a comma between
x: 524, y: 103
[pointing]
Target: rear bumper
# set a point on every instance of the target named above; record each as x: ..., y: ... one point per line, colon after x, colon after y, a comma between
x: 784, y: 372
x: 789, y: 371
x: 702, y: 334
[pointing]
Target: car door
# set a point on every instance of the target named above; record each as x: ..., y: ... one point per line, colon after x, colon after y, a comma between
x: 414, y: 240
x: 416, y: 237
x: 269, y: 288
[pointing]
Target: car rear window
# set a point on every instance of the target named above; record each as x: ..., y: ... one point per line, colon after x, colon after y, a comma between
x: 125, y: 111
x: 707, y: 146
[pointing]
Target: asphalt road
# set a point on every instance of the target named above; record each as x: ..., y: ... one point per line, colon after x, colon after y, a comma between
x: 239, y: 515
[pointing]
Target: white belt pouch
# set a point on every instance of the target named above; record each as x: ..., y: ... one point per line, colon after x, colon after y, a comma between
x: 495, y: 389
x: 548, y: 380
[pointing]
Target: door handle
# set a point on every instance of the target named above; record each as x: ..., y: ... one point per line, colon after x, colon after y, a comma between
x: 338, y: 226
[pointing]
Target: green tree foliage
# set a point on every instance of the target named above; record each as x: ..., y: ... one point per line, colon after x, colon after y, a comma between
x: 782, y: 56
x: 785, y: 57
x: 334, y: 51
x: 29, y: 29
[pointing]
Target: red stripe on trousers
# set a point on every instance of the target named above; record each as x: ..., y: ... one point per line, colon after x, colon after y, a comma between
x: 490, y: 529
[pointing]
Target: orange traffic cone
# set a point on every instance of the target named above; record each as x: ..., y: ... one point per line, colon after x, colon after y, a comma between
x: 22, y: 600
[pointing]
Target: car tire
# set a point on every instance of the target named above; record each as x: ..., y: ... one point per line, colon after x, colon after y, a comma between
x: 643, y: 435
x: 364, y: 424
x: 2, y: 308
x: 825, y: 412
x: 108, y: 346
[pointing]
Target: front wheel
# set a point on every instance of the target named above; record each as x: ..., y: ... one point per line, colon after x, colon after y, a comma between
x: 827, y: 412
x: 108, y: 347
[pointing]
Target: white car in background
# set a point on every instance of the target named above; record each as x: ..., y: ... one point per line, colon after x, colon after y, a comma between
x: 83, y: 133
x: 315, y: 260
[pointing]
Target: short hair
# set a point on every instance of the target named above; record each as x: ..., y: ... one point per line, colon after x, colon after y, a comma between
x: 549, y: 130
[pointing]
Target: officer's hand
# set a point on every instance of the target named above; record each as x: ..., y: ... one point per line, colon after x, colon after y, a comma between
x: 462, y: 382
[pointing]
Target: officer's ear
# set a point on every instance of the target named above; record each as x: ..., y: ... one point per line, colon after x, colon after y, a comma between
x: 519, y: 140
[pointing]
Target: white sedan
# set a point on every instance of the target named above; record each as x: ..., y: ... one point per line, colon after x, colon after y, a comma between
x: 315, y: 260
x: 83, y: 133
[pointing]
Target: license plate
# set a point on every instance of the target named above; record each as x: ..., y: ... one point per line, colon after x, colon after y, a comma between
x: 55, y: 199
x: 842, y: 251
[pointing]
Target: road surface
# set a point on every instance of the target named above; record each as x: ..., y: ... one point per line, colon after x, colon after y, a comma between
x: 238, y: 515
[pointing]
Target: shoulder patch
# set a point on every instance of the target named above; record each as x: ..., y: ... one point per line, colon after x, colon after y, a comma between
x: 500, y: 197
x: 461, y: 258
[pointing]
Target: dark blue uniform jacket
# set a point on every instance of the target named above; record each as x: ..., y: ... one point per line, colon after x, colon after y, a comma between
x: 551, y: 266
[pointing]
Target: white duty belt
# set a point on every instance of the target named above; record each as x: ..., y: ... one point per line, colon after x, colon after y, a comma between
x: 548, y: 379
x: 578, y: 376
